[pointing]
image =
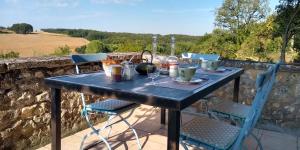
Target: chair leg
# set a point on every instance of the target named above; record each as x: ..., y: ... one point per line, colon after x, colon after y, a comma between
x: 257, y: 140
x: 133, y: 130
x: 95, y: 131
x: 183, y: 145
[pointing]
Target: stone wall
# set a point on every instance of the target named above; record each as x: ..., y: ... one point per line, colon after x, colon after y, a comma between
x: 25, y: 103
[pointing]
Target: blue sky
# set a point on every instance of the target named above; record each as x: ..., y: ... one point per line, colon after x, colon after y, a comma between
x: 193, y: 17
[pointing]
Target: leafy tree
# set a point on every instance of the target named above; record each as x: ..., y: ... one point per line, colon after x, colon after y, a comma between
x: 237, y: 15
x: 234, y: 14
x: 22, y: 28
x: 96, y: 46
x: 288, y: 19
x: 261, y: 41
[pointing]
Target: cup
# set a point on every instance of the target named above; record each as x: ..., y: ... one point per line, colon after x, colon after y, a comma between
x: 210, y: 65
x: 116, y: 72
x: 186, y: 73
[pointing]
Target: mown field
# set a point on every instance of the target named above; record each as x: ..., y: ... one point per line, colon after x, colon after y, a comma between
x: 37, y: 44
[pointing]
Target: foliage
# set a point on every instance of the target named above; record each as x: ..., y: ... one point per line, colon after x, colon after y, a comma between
x: 234, y: 14
x: 9, y: 55
x: 62, y: 51
x: 288, y: 20
x: 81, y: 49
x: 96, y: 46
x: 22, y: 28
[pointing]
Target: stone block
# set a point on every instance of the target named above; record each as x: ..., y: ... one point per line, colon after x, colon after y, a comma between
x: 28, y: 112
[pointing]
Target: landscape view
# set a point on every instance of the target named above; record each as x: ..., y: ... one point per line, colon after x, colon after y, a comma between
x: 150, y: 74
x: 254, y: 30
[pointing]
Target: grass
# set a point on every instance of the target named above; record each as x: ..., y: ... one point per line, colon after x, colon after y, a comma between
x: 38, y: 43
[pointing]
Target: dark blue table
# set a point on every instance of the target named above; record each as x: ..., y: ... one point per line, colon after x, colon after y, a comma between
x: 138, y: 91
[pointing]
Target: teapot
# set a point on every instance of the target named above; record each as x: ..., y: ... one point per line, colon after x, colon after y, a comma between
x: 145, y: 67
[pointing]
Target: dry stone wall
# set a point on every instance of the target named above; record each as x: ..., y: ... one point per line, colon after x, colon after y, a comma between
x: 25, y: 102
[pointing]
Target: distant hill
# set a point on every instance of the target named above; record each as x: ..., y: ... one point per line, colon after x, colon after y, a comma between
x: 124, y: 42
x: 37, y: 43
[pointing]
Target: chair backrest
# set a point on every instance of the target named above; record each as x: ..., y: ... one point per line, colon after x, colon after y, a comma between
x: 200, y: 56
x: 79, y: 59
x: 264, y: 84
x: 87, y: 58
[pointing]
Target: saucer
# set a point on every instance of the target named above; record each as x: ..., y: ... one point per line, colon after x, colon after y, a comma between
x: 193, y: 81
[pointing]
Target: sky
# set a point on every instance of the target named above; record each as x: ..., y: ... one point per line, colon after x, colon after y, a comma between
x: 192, y: 17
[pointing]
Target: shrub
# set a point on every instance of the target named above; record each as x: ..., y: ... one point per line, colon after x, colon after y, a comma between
x: 62, y: 51
x: 10, y: 54
x: 97, y: 46
x: 81, y: 49
x: 22, y: 28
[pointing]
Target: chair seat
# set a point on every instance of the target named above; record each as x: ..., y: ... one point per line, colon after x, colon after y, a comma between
x: 111, y: 105
x: 232, y: 108
x: 210, y: 132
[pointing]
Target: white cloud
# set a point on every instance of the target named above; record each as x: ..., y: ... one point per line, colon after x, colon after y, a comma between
x: 116, y: 1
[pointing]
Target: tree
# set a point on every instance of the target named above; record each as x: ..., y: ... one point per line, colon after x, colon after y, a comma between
x: 96, y: 46
x: 236, y: 13
x: 22, y: 28
x: 288, y: 19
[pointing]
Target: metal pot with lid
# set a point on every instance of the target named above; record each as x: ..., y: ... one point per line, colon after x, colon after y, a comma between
x: 146, y: 66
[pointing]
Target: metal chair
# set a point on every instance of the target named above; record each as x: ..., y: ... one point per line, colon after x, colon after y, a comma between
x: 196, y: 56
x: 232, y: 110
x: 111, y: 107
x: 215, y: 134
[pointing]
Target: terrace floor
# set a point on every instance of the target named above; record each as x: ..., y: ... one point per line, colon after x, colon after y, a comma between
x: 152, y: 135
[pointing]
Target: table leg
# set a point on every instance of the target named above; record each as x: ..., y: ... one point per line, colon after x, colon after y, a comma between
x: 55, y: 119
x: 173, y: 129
x: 162, y: 116
x: 236, y: 89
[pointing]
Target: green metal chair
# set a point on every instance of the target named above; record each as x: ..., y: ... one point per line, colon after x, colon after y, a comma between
x: 219, y: 135
x: 111, y: 107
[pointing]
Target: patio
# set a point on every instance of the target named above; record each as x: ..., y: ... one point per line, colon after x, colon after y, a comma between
x: 146, y: 121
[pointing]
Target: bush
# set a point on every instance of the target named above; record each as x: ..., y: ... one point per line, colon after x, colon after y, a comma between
x: 10, y: 54
x: 22, y: 28
x: 81, y: 49
x: 62, y: 51
x: 97, y: 46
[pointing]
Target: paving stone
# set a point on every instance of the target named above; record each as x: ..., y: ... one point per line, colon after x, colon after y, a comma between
x: 152, y: 135
x: 278, y: 141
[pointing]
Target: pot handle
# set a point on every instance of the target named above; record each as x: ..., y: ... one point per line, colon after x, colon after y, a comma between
x: 149, y: 53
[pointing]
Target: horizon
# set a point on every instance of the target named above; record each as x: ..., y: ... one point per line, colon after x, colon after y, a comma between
x: 194, y: 18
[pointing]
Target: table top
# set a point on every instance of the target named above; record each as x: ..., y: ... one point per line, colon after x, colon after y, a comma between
x: 140, y: 90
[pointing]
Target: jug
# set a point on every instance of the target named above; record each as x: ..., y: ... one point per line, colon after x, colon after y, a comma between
x: 128, y: 70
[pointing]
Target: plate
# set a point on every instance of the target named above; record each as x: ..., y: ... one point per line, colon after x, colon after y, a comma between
x: 193, y: 81
x: 220, y: 70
